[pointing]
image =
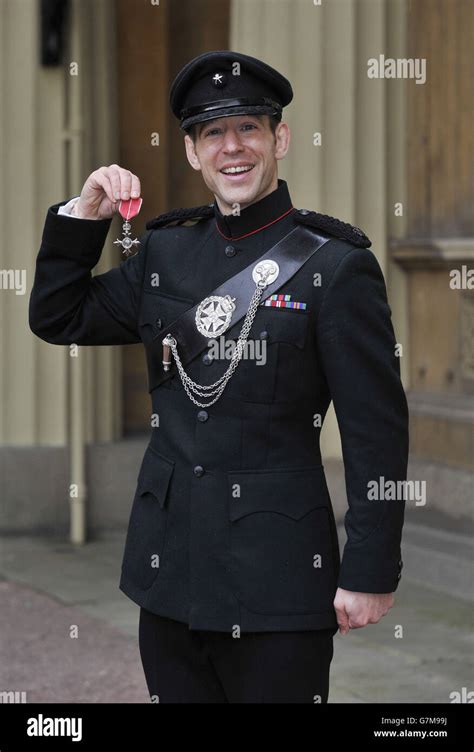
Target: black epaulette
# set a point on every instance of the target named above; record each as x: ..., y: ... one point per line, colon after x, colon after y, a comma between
x: 179, y: 216
x: 333, y: 226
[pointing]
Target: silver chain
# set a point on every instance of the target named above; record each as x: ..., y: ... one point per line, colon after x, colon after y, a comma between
x: 203, y: 390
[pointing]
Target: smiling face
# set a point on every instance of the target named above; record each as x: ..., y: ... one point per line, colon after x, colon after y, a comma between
x: 238, y: 158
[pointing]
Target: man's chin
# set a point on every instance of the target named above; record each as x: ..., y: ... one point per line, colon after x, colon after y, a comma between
x: 237, y: 194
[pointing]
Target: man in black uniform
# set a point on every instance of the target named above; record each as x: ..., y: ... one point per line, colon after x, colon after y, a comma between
x: 231, y: 550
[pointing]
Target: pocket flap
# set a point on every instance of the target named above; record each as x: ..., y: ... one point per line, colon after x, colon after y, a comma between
x: 288, y: 325
x: 290, y: 491
x: 155, y: 475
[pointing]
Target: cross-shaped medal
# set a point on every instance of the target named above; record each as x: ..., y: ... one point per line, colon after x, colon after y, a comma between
x: 128, y: 209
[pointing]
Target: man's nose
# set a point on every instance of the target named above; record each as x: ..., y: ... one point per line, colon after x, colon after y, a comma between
x: 232, y: 141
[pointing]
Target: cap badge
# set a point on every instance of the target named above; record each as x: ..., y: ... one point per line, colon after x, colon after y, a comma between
x: 218, y: 80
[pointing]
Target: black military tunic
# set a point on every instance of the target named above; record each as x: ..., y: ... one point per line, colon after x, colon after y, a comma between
x: 232, y: 522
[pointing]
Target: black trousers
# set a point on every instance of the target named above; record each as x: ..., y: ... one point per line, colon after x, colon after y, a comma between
x: 191, y: 666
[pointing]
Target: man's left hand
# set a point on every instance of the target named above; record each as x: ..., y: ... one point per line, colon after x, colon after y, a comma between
x: 356, y: 610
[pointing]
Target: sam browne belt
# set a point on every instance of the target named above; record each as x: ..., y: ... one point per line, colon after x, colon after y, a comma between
x: 227, y: 304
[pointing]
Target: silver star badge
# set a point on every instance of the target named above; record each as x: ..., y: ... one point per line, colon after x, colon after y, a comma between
x: 218, y: 79
x: 214, y: 314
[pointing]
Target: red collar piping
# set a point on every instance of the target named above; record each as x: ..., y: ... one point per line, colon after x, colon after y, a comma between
x: 258, y: 228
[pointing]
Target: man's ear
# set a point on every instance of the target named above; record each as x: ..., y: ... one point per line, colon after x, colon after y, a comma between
x: 282, y: 139
x: 191, y: 153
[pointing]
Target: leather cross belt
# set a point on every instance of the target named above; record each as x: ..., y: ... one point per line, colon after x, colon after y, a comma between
x: 290, y: 253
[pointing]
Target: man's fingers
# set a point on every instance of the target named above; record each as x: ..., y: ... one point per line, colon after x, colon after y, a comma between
x: 113, y: 173
x: 104, y: 181
x: 125, y: 184
x: 130, y: 184
x: 356, y: 610
x: 136, y: 188
x: 118, y: 183
x: 342, y: 619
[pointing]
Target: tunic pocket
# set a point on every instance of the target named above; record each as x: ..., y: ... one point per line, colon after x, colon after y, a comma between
x: 147, y: 524
x: 284, y: 554
x: 276, y: 363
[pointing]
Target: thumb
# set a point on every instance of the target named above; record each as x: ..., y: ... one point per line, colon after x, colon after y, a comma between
x: 342, y: 619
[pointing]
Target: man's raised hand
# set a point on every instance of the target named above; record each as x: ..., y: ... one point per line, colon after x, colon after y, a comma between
x: 103, y: 190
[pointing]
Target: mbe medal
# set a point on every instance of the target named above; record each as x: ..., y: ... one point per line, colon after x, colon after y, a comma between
x: 128, y: 209
x: 214, y: 314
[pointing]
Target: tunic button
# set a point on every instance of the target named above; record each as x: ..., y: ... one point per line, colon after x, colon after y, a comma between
x: 264, y: 335
x: 230, y: 251
x: 158, y: 324
x: 198, y: 470
x: 206, y: 359
x: 202, y: 415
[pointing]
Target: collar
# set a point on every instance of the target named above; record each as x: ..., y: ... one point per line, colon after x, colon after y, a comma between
x: 255, y: 217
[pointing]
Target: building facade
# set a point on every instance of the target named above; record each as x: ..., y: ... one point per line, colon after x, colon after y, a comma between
x: 85, y: 83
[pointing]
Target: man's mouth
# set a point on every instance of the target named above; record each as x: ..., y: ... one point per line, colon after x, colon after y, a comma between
x: 237, y: 169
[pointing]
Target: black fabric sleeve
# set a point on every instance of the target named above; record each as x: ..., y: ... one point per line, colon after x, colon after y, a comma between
x: 356, y: 344
x: 67, y: 304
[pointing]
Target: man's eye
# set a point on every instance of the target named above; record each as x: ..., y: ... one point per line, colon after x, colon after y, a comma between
x: 212, y: 131
x: 248, y: 126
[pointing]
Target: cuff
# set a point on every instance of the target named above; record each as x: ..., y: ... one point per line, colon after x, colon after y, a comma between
x: 85, y: 236
x: 360, y: 574
x: 66, y: 209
